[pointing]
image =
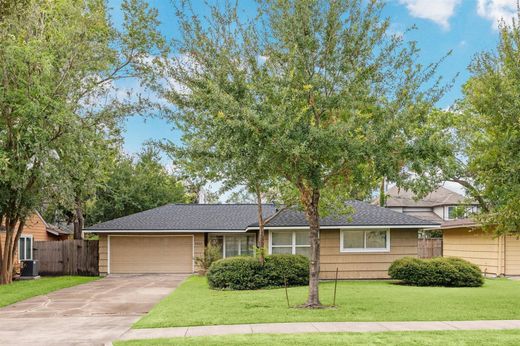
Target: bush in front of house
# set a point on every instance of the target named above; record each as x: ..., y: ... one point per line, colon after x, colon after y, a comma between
x: 293, y: 268
x: 440, y: 271
x: 247, y: 273
x: 236, y: 273
x: 212, y: 253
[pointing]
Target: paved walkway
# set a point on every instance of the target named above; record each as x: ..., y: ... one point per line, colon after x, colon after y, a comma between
x: 316, y: 327
x: 94, y: 313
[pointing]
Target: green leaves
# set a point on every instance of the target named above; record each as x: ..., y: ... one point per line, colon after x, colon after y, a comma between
x: 490, y: 127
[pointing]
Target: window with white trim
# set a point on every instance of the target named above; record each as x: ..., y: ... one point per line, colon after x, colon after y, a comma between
x: 234, y: 244
x: 25, y: 251
x: 290, y: 242
x: 369, y: 240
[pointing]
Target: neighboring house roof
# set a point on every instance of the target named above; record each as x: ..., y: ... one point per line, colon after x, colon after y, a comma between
x: 460, y: 223
x: 425, y: 215
x: 240, y: 217
x: 59, y: 229
x: 363, y: 214
x: 189, y: 217
x: 405, y: 198
x: 56, y: 230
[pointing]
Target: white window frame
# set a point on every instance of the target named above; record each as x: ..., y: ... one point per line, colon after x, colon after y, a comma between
x: 293, y: 241
x: 363, y: 249
x: 448, y: 212
x: 25, y: 236
x: 239, y: 242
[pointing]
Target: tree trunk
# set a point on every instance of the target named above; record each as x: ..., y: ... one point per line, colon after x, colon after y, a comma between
x: 12, y: 236
x: 79, y: 221
x: 310, y: 199
x: 261, y: 225
x: 382, y: 193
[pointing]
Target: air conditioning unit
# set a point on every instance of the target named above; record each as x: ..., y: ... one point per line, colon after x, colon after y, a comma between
x: 29, y: 268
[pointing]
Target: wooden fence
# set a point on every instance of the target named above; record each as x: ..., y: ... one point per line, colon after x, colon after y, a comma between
x: 67, y: 257
x: 429, y: 248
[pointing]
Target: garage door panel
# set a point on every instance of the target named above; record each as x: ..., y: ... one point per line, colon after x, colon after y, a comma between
x: 140, y: 254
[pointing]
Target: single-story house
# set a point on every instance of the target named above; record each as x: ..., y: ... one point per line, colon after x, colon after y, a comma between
x: 168, y: 239
x: 466, y: 239
x: 35, y: 229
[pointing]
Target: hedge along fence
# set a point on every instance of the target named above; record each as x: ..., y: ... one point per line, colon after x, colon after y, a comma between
x: 247, y: 273
x: 441, y: 271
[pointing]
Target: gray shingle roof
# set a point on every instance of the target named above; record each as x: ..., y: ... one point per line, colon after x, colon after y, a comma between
x: 193, y: 217
x: 405, y: 198
x: 237, y: 217
x: 364, y: 214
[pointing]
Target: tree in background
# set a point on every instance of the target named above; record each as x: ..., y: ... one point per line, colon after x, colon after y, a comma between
x: 61, y: 61
x: 84, y: 170
x: 319, y: 91
x: 489, y: 133
x: 134, y: 186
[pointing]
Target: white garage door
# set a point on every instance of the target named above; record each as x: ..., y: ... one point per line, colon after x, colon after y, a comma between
x: 150, y: 254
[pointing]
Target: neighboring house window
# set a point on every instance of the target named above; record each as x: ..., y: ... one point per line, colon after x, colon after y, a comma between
x: 365, y: 240
x: 25, y: 252
x: 234, y: 245
x: 452, y: 212
x: 290, y: 242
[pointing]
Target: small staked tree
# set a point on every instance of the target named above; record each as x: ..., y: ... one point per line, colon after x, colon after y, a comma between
x: 319, y: 91
x: 60, y: 63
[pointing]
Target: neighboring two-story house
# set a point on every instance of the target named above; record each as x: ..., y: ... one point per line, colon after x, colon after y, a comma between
x: 462, y: 236
x: 442, y: 205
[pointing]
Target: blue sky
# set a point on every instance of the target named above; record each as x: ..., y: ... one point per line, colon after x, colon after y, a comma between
x: 466, y: 27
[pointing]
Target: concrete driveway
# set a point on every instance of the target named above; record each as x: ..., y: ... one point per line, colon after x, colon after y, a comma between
x: 90, y: 314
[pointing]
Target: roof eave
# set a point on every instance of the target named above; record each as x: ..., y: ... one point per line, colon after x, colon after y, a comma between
x: 422, y: 226
x: 164, y: 231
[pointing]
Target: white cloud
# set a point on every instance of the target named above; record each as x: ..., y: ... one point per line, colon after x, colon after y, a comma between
x: 495, y: 10
x: 439, y: 11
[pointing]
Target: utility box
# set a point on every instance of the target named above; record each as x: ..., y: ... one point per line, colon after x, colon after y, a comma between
x: 29, y: 268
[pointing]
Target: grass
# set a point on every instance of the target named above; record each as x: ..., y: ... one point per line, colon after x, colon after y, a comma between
x: 437, y: 338
x: 20, y: 290
x: 194, y: 304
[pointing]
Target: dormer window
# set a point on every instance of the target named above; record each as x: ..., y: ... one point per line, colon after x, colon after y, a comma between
x: 452, y: 212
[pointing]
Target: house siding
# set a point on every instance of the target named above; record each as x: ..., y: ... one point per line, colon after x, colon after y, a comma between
x: 512, y: 256
x: 198, y: 239
x: 475, y: 246
x: 366, y: 265
x: 34, y: 226
x: 363, y: 265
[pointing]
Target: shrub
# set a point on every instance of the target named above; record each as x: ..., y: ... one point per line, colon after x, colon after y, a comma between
x: 236, y: 273
x: 246, y: 273
x: 440, y: 271
x: 212, y: 253
x: 293, y: 268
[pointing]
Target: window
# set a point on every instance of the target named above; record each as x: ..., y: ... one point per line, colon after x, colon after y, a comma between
x: 25, y: 248
x: 365, y: 240
x: 452, y: 212
x: 234, y: 245
x: 285, y: 242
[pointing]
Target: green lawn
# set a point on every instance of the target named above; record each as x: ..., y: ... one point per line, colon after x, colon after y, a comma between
x: 20, y: 290
x: 438, y: 338
x: 193, y: 303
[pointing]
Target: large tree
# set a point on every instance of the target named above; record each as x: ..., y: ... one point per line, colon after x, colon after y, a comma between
x: 334, y: 102
x: 133, y: 186
x: 488, y: 133
x: 61, y: 61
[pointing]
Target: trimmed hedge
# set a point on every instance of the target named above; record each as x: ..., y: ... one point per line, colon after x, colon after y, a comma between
x: 246, y: 273
x: 440, y: 271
